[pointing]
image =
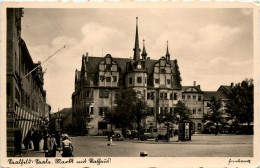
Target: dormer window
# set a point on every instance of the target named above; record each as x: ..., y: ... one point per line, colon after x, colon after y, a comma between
x: 163, y: 70
x: 108, y: 67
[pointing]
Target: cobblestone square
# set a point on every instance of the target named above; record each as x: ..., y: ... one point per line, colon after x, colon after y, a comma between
x: 200, y: 146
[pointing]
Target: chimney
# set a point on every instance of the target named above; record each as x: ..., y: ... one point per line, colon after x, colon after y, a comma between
x: 232, y: 84
x: 198, y: 86
x: 194, y: 84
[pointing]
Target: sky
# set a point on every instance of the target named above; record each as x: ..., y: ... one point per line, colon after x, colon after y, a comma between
x: 213, y: 46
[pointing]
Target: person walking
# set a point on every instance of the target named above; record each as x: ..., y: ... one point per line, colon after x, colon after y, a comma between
x: 45, y: 137
x: 51, y: 146
x: 27, y: 139
x: 67, y: 147
x: 36, y: 140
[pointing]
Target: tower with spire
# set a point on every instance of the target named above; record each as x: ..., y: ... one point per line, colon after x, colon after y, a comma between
x: 144, y: 54
x: 136, y: 49
x: 168, y: 56
x: 100, y: 79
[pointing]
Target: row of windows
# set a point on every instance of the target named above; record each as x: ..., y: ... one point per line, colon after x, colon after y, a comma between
x: 166, y: 109
x: 139, y: 80
x: 150, y: 110
x: 194, y: 110
x: 164, y: 96
x: 86, y: 110
x: 108, y: 79
x: 188, y: 97
x: 157, y: 81
x: 103, y: 94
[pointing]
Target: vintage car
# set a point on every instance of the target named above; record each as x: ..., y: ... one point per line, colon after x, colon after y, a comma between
x: 116, y: 135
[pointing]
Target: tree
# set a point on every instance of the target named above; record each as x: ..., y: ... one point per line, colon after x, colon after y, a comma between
x: 216, y: 114
x: 240, y: 102
x: 111, y: 117
x: 139, y: 111
x: 182, y: 112
x: 131, y: 108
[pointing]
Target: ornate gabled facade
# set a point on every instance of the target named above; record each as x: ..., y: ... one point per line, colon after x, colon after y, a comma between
x: 99, y: 80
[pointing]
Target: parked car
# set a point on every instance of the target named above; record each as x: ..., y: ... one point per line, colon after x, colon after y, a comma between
x: 116, y: 135
x: 132, y: 134
x: 162, y: 137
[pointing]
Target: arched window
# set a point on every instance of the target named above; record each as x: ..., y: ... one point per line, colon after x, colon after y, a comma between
x: 199, y: 126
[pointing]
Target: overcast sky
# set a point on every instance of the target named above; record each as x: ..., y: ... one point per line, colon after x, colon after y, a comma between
x: 213, y: 46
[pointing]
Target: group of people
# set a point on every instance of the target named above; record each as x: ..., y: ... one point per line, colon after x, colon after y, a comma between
x: 51, y: 142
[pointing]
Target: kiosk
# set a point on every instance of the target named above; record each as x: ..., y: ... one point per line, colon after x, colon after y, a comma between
x: 185, y: 131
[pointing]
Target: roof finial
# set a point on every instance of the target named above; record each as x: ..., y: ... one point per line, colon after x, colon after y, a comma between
x: 167, y: 53
x: 144, y: 54
x: 136, y: 49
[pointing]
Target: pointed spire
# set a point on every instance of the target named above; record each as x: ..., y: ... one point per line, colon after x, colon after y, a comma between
x: 83, y: 66
x: 136, y: 49
x: 167, y: 53
x: 144, y: 54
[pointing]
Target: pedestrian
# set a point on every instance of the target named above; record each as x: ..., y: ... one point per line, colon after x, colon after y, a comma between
x: 45, y: 137
x: 51, y: 146
x: 67, y: 147
x: 36, y: 140
x: 57, y: 136
x: 27, y: 140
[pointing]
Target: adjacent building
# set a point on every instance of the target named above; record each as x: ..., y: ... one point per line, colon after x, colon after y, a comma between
x: 193, y: 97
x: 26, y: 98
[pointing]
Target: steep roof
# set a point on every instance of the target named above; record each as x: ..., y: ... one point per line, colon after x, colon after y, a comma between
x: 196, y: 87
x: 217, y: 94
x: 64, y: 112
x: 93, y: 63
x: 224, y: 88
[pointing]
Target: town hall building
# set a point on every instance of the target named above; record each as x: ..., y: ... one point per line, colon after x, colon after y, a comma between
x: 98, y: 82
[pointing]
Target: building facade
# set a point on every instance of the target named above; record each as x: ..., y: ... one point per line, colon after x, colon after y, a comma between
x: 193, y: 97
x: 98, y: 82
x: 26, y: 98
